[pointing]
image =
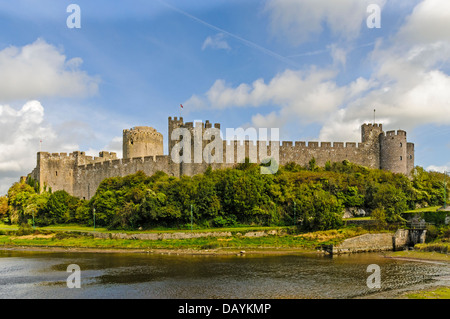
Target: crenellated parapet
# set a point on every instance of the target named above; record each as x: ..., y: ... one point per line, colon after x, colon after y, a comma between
x: 81, y: 174
x: 142, y: 141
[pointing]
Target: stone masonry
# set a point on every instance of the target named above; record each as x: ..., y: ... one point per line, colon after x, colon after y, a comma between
x: 80, y: 175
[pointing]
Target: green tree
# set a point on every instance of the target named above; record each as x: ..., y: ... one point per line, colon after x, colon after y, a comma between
x: 312, y: 165
x: 392, y: 200
x: 3, y: 207
x: 60, y: 208
x: 106, y: 205
x: 319, y: 210
x: 379, y: 215
x: 18, y: 196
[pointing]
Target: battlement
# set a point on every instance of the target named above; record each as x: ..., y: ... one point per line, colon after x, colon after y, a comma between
x: 142, y: 141
x: 79, y: 158
x: 47, y: 155
x: 142, y: 132
x: 198, y: 124
x: 176, y: 119
x: 80, y: 174
x: 393, y: 133
x: 120, y: 162
x: 299, y: 145
x: 373, y: 125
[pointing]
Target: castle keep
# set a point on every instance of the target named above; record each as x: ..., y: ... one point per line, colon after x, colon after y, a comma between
x: 80, y: 175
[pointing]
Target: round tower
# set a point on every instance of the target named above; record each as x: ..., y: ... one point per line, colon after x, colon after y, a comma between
x: 393, y: 152
x: 141, y: 141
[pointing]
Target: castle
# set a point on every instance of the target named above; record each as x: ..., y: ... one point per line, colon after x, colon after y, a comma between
x: 80, y: 175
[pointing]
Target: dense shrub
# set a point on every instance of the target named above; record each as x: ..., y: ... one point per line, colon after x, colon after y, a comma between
x: 308, y: 196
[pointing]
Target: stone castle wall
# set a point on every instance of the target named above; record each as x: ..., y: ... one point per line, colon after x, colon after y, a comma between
x: 80, y: 175
x: 142, y: 141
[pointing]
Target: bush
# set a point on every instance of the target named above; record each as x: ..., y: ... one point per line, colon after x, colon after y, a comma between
x: 228, y: 221
x: 379, y: 215
x: 24, y: 229
x: 432, y: 233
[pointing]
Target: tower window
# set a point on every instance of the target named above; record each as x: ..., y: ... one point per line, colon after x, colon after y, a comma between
x: 401, y: 158
x: 401, y: 144
x: 56, y: 173
x: 410, y: 156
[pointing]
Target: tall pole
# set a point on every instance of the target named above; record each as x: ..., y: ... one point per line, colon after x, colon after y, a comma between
x: 445, y: 190
x: 191, y: 218
x: 295, y: 221
x: 374, y: 116
x: 94, y: 218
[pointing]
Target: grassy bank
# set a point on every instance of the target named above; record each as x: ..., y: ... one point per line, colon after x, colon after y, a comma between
x: 439, y: 293
x: 306, y: 241
x: 420, y: 255
x: 87, y: 229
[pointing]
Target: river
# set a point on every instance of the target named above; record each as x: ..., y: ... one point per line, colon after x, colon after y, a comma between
x: 38, y: 275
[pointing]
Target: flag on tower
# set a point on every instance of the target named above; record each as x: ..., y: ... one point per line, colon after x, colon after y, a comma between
x: 181, y: 105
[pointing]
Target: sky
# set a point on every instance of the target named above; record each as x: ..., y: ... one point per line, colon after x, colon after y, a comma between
x: 315, y: 69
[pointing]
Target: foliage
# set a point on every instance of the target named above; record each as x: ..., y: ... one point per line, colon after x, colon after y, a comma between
x: 311, y: 197
x: 3, y: 207
x: 379, y: 215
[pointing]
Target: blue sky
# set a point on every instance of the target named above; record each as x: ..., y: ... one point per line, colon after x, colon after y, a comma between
x: 314, y: 69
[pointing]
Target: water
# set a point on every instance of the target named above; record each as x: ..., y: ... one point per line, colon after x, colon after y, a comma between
x: 26, y: 274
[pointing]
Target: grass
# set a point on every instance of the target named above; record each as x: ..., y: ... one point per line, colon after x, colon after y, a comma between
x: 8, y: 227
x: 307, y: 241
x: 439, y: 293
x: 423, y: 255
x: 194, y: 243
x: 358, y: 218
x: 81, y: 228
x: 424, y: 210
x: 441, y: 247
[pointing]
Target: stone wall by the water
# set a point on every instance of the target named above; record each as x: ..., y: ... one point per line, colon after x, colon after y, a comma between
x: 186, y: 235
x: 365, y: 243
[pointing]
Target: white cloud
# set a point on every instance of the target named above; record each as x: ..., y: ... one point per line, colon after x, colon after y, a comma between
x: 336, y: 129
x: 408, y: 86
x: 300, y: 96
x: 272, y: 120
x: 308, y: 94
x: 216, y: 42
x: 427, y: 23
x: 442, y: 168
x: 41, y: 70
x: 22, y: 130
x: 115, y: 145
x: 338, y: 55
x: 299, y: 21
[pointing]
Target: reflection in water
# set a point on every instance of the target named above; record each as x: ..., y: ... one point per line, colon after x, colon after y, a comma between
x: 114, y: 275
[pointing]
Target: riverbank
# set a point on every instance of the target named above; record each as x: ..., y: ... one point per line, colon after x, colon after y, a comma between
x: 413, y: 255
x: 206, y: 242
x: 178, y: 252
x: 267, y: 241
